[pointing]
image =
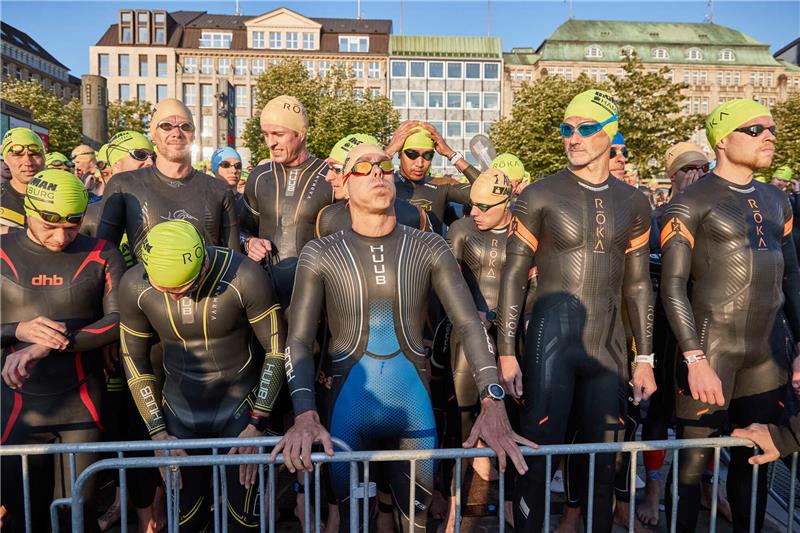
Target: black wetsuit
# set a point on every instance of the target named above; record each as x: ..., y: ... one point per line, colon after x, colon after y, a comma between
x: 61, y: 400
x: 136, y: 201
x: 375, y: 291
x: 734, y: 243
x: 433, y: 194
x: 212, y: 339
x: 282, y: 205
x: 335, y: 217
x: 590, y: 243
x: 12, y: 206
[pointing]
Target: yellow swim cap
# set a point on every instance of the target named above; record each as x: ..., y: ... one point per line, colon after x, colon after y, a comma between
x: 420, y: 139
x: 55, y: 191
x: 173, y: 253
x: 357, y: 153
x: 57, y: 160
x: 342, y: 148
x: 783, y: 173
x: 597, y: 105
x: 730, y: 115
x: 286, y: 111
x: 23, y: 136
x: 490, y: 188
x: 511, y: 166
x: 120, y: 144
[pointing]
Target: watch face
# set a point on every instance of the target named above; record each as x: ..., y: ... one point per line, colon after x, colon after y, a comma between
x: 496, y: 391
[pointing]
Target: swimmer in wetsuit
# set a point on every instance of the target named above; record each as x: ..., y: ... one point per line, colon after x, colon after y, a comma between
x: 59, y: 308
x: 283, y: 196
x: 168, y: 190
x: 588, y: 232
x: 213, y: 310
x: 23, y: 153
x: 376, y: 364
x: 732, y: 238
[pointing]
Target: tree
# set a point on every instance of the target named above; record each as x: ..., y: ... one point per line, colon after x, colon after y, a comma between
x: 787, y: 145
x: 130, y: 115
x: 335, y: 108
x: 63, y: 120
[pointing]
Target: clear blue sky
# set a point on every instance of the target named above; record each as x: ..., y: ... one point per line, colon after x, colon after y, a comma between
x: 67, y: 28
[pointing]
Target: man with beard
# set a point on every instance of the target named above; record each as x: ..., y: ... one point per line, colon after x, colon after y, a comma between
x: 23, y: 153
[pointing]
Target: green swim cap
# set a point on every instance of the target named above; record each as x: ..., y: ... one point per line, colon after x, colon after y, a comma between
x: 55, y: 191
x: 783, y: 173
x: 56, y: 159
x: 730, y: 115
x: 762, y: 179
x: 340, y: 149
x: 23, y: 136
x: 420, y: 139
x: 173, y: 253
x: 244, y: 175
x: 124, y: 141
x: 597, y: 105
x: 511, y: 166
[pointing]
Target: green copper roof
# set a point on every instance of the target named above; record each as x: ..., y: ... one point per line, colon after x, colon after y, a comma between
x: 520, y: 56
x: 790, y: 67
x: 444, y: 46
x: 570, y: 42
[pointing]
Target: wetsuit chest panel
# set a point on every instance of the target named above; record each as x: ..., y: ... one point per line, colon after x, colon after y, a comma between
x: 484, y: 255
x: 427, y: 196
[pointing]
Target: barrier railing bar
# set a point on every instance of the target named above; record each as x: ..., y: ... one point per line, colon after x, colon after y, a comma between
x: 55, y: 523
x: 548, y: 468
x: 590, y: 503
x: 458, y: 495
x: 674, y: 511
x: 753, y: 493
x: 712, y: 527
x: 272, y: 511
x: 353, y: 491
x: 168, y: 481
x: 318, y: 499
x: 26, y: 496
x: 632, y: 491
x: 501, y: 499
x: 262, y: 507
x: 792, y: 493
x: 307, y: 502
x: 366, y: 497
x: 123, y: 494
x: 223, y: 500
x: 412, y: 490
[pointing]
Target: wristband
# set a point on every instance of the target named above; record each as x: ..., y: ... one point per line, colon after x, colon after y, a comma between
x: 692, y: 359
x: 649, y: 359
x: 259, y: 421
x: 455, y: 157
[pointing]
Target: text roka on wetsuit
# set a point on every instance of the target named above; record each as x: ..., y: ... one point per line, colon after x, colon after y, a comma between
x: 375, y: 291
x: 590, y: 243
x: 337, y: 217
x: 734, y: 242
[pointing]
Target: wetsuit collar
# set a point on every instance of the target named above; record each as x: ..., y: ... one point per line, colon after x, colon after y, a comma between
x: 26, y: 242
x: 402, y: 179
x: 588, y: 185
x: 747, y: 187
x: 368, y: 238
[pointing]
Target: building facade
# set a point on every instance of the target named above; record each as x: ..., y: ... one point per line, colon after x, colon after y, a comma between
x: 151, y: 55
x: 24, y: 59
x: 455, y: 83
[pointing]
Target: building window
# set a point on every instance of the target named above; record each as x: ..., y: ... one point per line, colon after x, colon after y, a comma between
x: 416, y: 99
x: 309, y: 41
x: 275, y: 40
x: 472, y: 100
x: 143, y: 70
x: 454, y: 71
x: 141, y: 92
x: 241, y: 95
x: 471, y: 129
x: 358, y: 70
x: 190, y: 94
x: 491, y: 101
x: 206, y: 65
x: 258, y: 67
x: 143, y: 27
x: 593, y: 51
x: 159, y: 27
x: 487, y: 127
x: 309, y: 67
x: 241, y: 67
x: 224, y: 66
x: 214, y: 39
x: 324, y: 67
x: 417, y: 69
x: 491, y: 71
x: 453, y: 130
x: 189, y: 65
x: 124, y: 92
x: 207, y: 130
x: 259, y: 40
x: 240, y: 121
x: 626, y: 51
x: 124, y: 65
x: 292, y: 40
x: 206, y: 94
x: 399, y: 98
x: 453, y: 100
x: 436, y: 69
x: 694, y: 54
x: 399, y: 69
x: 353, y: 43
x: 126, y: 27
x: 374, y: 92
x: 374, y: 70
x: 102, y: 63
x: 435, y: 99
x: 473, y: 71
x: 161, y: 66
x: 161, y: 92
x: 660, y: 53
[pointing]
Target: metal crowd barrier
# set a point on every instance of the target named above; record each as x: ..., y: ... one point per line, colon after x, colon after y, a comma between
x: 360, y: 487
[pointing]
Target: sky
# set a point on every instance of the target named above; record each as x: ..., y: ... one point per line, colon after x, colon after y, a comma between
x: 68, y: 28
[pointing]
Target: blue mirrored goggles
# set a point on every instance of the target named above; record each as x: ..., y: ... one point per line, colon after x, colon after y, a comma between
x: 585, y: 130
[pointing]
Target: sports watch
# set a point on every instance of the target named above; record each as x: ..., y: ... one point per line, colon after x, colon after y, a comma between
x: 493, y: 391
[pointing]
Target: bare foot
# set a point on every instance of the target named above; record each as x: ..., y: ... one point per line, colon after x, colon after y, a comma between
x: 622, y: 514
x: 647, y: 511
x: 160, y: 508
x: 110, y: 518
x: 509, y: 511
x: 332, y: 524
x: 723, y: 507
x: 570, y: 520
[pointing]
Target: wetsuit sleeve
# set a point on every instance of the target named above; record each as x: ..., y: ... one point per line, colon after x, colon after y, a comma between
x: 106, y: 330
x: 455, y: 238
x: 306, y: 307
x: 679, y: 227
x: 248, y: 223
x: 136, y: 333
x: 459, y: 193
x: 9, y: 334
x: 229, y: 234
x: 471, y: 173
x: 787, y: 438
x: 452, y: 291
x: 791, y: 271
x: 263, y: 313
x: 637, y: 290
x: 112, y: 219
x: 520, y: 249
x: 321, y: 226
x: 424, y: 221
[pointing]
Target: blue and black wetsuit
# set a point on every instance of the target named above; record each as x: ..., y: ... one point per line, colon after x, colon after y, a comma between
x: 375, y: 379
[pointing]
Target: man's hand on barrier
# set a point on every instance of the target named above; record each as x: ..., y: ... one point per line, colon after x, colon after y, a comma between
x: 299, y: 441
x: 176, y: 452
x: 494, y: 429
x: 644, y: 382
x: 18, y: 365
x: 247, y: 473
x: 704, y: 383
x: 796, y: 372
x: 510, y: 375
x: 759, y: 434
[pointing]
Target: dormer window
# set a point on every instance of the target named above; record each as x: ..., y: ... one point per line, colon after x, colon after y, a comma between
x: 727, y: 55
x: 660, y: 53
x: 594, y: 51
x: 626, y: 51
x: 694, y: 54
x: 214, y: 39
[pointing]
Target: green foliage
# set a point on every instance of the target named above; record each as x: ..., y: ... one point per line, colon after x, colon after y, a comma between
x: 63, y: 120
x: 787, y: 145
x: 131, y: 115
x: 334, y: 108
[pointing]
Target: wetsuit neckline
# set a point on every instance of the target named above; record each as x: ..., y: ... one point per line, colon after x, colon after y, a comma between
x: 589, y: 184
x: 367, y: 238
x: 32, y: 246
x: 409, y: 180
x: 732, y: 185
x: 310, y: 159
x: 157, y: 173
